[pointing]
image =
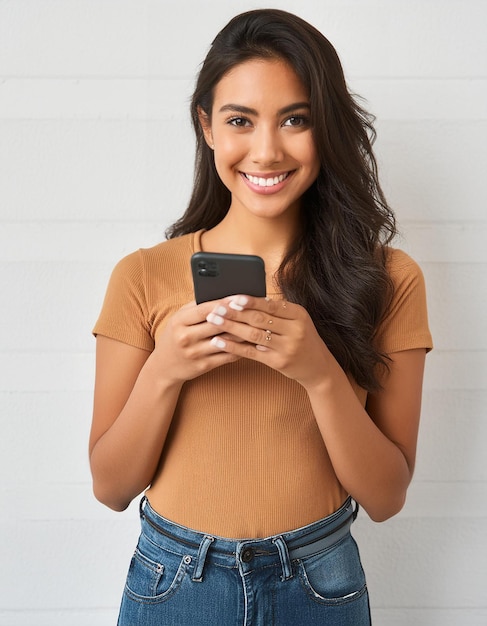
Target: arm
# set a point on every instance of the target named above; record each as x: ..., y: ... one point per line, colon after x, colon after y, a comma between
x: 136, y: 393
x: 132, y: 411
x: 373, y: 450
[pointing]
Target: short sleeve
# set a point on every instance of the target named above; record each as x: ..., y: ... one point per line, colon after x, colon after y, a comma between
x: 405, y: 325
x: 124, y: 314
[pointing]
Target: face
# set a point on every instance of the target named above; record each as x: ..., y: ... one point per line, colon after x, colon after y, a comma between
x: 261, y: 135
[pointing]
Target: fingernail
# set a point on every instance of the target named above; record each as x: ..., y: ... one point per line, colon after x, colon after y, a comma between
x: 220, y: 310
x: 215, y: 319
x: 238, y: 303
x: 261, y: 348
x: 218, y: 343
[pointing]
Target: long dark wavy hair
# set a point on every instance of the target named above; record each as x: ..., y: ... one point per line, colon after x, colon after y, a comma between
x: 336, y: 265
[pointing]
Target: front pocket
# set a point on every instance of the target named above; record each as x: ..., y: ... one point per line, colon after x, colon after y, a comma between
x: 335, y: 576
x: 150, y: 581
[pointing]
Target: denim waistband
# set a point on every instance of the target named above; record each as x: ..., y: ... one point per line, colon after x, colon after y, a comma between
x: 285, y: 547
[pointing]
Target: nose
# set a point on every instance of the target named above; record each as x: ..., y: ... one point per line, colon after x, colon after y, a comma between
x: 266, y: 146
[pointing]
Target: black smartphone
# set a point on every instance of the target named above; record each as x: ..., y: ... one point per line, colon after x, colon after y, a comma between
x: 218, y: 275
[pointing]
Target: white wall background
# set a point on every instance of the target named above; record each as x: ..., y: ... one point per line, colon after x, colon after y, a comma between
x: 96, y: 160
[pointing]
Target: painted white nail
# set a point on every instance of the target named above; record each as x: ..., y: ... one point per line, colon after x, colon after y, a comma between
x: 218, y: 343
x: 238, y: 303
x: 220, y: 310
x: 261, y: 348
x: 214, y: 319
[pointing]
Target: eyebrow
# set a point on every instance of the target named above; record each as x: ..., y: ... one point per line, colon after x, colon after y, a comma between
x: 239, y: 108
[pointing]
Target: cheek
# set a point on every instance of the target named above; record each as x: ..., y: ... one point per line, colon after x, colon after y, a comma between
x: 310, y: 157
x: 309, y: 153
x: 225, y: 164
x: 228, y: 152
x: 301, y: 147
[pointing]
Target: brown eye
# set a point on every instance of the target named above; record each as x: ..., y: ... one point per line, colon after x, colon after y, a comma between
x: 240, y: 122
x: 296, y: 121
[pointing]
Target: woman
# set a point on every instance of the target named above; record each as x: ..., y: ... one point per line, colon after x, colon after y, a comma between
x: 252, y: 422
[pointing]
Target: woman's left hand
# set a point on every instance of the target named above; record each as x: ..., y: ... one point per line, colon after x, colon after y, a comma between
x: 277, y: 333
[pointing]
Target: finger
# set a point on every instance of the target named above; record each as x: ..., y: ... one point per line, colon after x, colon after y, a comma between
x: 245, y: 331
x: 191, y: 313
x: 256, y: 352
x: 196, y: 348
x: 278, y: 308
x: 265, y: 324
x: 229, y: 337
x: 189, y: 327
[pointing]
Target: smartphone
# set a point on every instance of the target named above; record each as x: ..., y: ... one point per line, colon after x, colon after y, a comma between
x: 218, y: 275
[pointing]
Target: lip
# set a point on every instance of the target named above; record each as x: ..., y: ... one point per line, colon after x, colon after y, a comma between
x: 256, y: 183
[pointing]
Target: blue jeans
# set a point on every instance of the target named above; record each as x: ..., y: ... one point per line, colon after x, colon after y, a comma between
x: 310, y: 576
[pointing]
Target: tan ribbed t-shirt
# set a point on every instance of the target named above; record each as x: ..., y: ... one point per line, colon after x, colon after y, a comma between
x: 244, y: 456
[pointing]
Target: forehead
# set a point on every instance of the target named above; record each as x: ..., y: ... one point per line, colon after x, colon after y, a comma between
x: 260, y: 81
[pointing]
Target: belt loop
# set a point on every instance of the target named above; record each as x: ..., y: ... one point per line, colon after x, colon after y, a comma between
x: 201, y: 558
x: 143, y: 500
x: 355, y: 513
x: 287, y: 571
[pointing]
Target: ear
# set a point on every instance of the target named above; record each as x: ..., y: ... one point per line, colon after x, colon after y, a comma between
x: 206, y: 127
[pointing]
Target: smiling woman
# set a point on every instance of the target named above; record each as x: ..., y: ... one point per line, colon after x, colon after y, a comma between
x: 251, y: 423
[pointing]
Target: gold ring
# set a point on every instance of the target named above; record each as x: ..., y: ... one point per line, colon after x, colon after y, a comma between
x: 270, y: 322
x: 284, y: 305
x: 268, y: 335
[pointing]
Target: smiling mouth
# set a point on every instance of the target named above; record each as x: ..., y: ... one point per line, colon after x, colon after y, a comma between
x: 269, y: 181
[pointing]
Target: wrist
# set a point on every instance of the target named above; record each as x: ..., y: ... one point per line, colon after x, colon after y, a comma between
x: 160, y: 376
x: 327, y: 379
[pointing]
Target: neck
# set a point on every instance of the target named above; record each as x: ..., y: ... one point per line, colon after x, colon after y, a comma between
x: 267, y: 238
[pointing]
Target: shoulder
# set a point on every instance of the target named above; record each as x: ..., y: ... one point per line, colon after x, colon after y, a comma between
x: 166, y: 258
x: 405, y: 273
x: 172, y: 249
x: 399, y: 263
x: 144, y: 288
x: 150, y: 275
x: 160, y: 276
x: 405, y: 324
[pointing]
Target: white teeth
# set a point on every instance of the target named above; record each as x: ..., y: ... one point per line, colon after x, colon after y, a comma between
x: 266, y: 182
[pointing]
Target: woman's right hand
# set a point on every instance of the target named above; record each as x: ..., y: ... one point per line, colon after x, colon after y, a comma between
x: 184, y: 349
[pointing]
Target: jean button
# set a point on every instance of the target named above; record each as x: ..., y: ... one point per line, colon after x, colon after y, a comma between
x: 247, y: 555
